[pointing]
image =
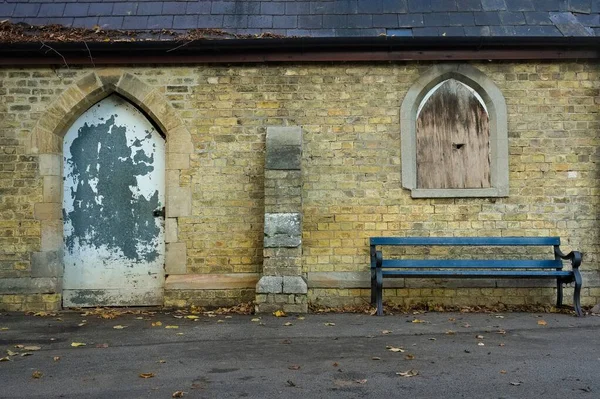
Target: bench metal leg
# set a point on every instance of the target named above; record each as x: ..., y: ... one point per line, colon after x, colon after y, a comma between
x: 379, y: 290
x: 559, y: 293
x: 373, y: 288
x: 577, y: 293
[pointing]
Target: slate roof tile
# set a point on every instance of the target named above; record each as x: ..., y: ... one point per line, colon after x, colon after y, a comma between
x: 370, y: 6
x: 291, y: 22
x: 410, y: 20
x: 310, y: 21
x: 360, y: 21
x: 469, y: 5
x: 26, y: 10
x: 493, y: 5
x: 321, y: 17
x: 272, y: 8
x: 76, y: 10
x: 385, y: 21
x: 394, y: 6
x: 110, y: 22
x: 100, y: 9
x: 235, y: 21
x: 443, y: 5
x: 260, y: 21
x: 322, y: 7
x: 297, y: 8
x: 124, y: 9
x: 519, y: 5
x: 512, y: 18
x: 150, y: 8
x: 419, y: 6
x: 160, y: 22
x: 135, y: 22
x: 487, y: 18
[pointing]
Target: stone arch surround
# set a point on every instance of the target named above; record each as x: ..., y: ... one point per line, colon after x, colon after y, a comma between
x: 496, y: 107
x: 46, y: 142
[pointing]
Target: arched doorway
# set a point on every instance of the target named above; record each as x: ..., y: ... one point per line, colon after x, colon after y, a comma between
x: 113, y: 208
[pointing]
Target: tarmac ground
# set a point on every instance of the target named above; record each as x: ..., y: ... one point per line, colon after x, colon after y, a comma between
x: 160, y: 354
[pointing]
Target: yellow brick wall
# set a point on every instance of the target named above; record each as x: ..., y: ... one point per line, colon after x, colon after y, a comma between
x: 351, y: 163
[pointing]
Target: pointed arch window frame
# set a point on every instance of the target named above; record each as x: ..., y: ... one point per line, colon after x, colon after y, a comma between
x: 498, y: 121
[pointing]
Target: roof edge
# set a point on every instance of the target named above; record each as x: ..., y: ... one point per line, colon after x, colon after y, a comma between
x: 383, y: 48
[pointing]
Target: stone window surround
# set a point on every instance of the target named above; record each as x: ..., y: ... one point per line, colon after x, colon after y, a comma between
x: 46, y: 141
x: 496, y: 107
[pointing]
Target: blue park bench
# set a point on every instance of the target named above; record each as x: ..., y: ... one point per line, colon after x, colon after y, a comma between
x: 473, y: 268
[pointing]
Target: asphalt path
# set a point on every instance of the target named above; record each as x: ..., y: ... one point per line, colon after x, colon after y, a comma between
x: 424, y: 355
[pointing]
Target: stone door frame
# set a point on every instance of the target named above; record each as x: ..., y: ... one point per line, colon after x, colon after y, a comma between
x: 46, y: 142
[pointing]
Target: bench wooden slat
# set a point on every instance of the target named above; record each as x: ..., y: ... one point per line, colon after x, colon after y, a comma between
x: 457, y: 241
x: 476, y: 273
x: 472, y: 264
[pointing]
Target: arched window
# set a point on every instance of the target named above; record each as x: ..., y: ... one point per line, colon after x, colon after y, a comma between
x: 454, y: 135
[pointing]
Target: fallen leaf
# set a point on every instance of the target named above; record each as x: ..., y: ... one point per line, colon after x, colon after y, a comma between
x: 162, y: 361
x: 294, y: 367
x: 451, y: 319
x: 330, y: 324
x: 335, y: 364
x: 432, y: 339
x: 499, y: 317
x: 418, y: 321
x: 501, y: 332
x: 32, y: 348
x: 479, y: 337
x: 385, y: 332
x: 541, y: 322
x: 179, y: 333
x: 409, y: 357
x: 119, y: 327
x: 229, y: 317
x: 466, y: 325
x: 502, y: 371
x: 394, y: 349
x: 450, y: 332
x: 191, y: 317
x: 481, y: 344
x: 3, y: 328
x: 375, y: 358
x: 19, y: 346
x: 76, y: 344
x: 4, y: 359
x: 220, y: 321
x: 515, y: 383
x: 157, y: 324
x: 279, y: 313
x: 501, y: 344
x: 255, y: 320
x: 101, y: 345
x: 11, y: 353
x: 409, y: 373
x: 363, y: 381
x: 178, y: 394
x: 290, y: 382
x: 26, y: 354
x: 300, y: 317
x: 56, y: 358
x: 288, y: 324
x: 172, y: 327
x: 37, y: 374
x: 147, y: 375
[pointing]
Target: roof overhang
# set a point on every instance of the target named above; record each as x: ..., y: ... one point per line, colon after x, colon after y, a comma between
x: 259, y: 50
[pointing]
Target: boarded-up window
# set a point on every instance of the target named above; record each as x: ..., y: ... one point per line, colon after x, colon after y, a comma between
x: 453, y: 139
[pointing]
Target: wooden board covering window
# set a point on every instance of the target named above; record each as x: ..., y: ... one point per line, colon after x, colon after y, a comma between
x: 453, y: 140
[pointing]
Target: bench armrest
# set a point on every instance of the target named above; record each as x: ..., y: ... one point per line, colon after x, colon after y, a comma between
x: 574, y: 256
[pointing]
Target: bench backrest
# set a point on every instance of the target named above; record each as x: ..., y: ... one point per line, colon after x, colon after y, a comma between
x: 469, y: 241
x: 467, y: 263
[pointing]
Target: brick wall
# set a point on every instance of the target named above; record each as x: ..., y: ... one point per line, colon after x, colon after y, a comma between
x: 349, y: 114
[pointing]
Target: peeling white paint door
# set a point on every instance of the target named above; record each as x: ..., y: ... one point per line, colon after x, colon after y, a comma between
x: 114, y: 179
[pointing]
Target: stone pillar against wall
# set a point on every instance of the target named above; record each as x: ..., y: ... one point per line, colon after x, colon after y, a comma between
x: 282, y: 285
